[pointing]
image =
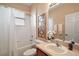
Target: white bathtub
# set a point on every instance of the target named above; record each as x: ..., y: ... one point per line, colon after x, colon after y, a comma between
x: 22, y: 46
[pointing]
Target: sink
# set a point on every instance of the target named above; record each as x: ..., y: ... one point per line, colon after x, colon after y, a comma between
x: 57, y: 50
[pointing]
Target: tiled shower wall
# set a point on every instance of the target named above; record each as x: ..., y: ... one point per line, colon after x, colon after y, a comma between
x: 22, y: 36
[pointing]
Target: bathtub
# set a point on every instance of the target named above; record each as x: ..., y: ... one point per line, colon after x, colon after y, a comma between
x: 22, y: 46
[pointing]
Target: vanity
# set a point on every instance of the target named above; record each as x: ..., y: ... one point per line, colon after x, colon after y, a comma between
x: 51, y: 49
x: 41, y: 53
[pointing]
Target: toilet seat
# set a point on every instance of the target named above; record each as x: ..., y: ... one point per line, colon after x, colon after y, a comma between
x: 30, y: 52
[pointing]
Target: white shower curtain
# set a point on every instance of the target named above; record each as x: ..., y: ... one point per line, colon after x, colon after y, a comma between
x: 7, y: 32
x: 5, y: 14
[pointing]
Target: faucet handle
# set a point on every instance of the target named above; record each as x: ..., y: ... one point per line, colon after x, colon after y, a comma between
x: 72, y: 42
x: 57, y: 44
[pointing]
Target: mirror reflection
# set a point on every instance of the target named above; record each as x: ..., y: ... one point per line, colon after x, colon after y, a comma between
x: 63, y: 22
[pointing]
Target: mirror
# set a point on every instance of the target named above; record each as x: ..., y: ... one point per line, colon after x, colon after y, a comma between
x: 54, y: 26
x: 65, y: 20
x: 51, y: 26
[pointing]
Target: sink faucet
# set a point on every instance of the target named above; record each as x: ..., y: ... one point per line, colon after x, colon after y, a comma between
x: 57, y: 44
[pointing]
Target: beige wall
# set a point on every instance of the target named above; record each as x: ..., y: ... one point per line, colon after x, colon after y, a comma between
x: 58, y: 14
x: 19, y: 6
x: 42, y: 8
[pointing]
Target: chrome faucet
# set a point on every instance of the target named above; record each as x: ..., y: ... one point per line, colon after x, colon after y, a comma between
x: 57, y: 44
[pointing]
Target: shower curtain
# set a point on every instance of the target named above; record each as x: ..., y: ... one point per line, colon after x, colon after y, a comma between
x: 5, y: 18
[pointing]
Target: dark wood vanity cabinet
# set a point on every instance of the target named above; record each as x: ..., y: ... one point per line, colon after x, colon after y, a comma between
x: 40, y: 53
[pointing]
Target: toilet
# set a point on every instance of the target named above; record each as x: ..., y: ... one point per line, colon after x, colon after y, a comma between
x: 30, y: 52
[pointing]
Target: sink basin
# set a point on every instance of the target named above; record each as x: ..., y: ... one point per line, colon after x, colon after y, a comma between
x: 57, y: 50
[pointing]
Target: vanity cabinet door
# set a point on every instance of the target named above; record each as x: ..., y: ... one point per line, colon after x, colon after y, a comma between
x: 40, y: 53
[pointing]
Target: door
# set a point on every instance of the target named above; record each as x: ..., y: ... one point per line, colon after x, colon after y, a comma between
x: 70, y: 27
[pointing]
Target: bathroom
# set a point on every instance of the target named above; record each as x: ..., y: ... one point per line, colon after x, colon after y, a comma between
x: 39, y: 29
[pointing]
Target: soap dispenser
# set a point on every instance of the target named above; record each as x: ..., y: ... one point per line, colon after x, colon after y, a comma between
x: 70, y: 45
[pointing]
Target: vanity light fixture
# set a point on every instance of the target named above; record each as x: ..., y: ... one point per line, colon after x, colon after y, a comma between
x: 53, y: 5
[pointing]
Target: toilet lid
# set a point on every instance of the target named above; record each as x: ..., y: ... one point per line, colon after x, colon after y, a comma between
x: 30, y: 52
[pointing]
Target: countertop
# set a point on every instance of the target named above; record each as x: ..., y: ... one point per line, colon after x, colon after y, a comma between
x: 42, y: 47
